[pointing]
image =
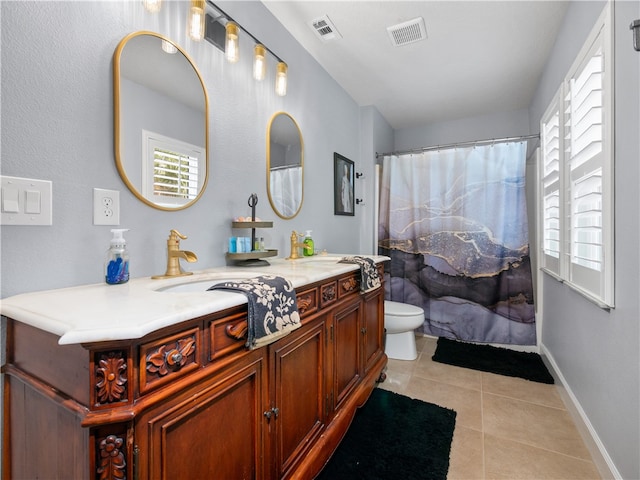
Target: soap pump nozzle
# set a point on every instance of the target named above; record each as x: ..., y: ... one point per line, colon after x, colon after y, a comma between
x: 118, y: 238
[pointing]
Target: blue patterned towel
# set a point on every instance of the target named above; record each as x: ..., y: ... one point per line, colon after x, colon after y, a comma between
x: 369, y: 277
x: 273, y: 309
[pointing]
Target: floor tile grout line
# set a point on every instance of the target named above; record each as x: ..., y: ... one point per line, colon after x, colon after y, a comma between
x: 566, y: 455
x: 518, y: 399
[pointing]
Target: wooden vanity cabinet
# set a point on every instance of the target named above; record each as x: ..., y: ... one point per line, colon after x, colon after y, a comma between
x: 190, y: 401
x: 213, y: 429
x: 299, y: 413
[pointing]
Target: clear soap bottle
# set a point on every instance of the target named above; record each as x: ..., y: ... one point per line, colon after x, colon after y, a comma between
x: 116, y: 265
x: 308, y: 249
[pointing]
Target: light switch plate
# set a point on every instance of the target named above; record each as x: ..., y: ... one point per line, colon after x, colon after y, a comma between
x: 25, y: 201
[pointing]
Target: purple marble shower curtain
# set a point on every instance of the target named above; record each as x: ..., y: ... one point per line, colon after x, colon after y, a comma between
x: 454, y: 223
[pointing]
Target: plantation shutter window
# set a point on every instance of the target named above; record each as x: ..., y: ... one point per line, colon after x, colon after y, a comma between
x: 576, y: 172
x: 171, y: 172
x: 174, y: 175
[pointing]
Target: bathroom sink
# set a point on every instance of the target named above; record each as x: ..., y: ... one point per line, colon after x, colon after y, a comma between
x: 199, y: 285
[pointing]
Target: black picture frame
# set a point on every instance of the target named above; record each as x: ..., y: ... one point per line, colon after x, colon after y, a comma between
x: 343, y: 185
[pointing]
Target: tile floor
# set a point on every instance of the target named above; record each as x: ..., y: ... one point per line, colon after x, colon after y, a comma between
x: 506, y: 428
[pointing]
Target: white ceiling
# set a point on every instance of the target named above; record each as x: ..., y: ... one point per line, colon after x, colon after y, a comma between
x: 479, y: 57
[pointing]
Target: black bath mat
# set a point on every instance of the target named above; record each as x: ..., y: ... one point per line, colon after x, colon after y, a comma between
x: 492, y: 359
x: 393, y: 436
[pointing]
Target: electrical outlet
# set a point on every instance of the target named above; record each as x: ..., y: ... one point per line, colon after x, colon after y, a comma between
x: 106, y: 207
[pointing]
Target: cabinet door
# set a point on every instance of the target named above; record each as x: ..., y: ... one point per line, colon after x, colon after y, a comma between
x: 299, y: 393
x: 347, y: 368
x: 215, y: 429
x: 373, y: 332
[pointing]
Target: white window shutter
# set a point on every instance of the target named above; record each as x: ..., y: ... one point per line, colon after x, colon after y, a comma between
x: 576, y: 172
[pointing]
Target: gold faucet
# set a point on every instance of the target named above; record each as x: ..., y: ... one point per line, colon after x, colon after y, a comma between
x: 295, y: 245
x: 174, y: 254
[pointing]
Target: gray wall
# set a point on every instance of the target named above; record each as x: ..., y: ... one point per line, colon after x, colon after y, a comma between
x: 493, y: 125
x: 57, y: 112
x: 597, y: 351
x: 377, y: 137
x: 57, y: 124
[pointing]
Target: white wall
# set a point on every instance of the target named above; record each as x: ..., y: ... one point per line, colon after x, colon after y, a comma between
x: 598, y: 352
x: 57, y: 124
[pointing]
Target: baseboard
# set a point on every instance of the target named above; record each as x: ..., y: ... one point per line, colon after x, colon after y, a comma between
x: 596, y: 448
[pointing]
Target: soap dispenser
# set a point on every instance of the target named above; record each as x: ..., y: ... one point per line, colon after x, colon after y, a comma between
x: 308, y: 249
x: 116, y: 265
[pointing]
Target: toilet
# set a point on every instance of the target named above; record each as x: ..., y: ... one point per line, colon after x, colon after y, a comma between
x: 400, y: 320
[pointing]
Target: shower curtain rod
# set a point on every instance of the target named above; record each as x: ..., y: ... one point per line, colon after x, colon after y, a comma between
x: 461, y: 144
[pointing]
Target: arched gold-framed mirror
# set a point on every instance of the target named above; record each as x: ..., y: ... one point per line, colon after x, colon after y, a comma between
x: 285, y: 165
x: 161, y: 121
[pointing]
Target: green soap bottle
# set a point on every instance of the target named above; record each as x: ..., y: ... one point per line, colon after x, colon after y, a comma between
x: 308, y: 249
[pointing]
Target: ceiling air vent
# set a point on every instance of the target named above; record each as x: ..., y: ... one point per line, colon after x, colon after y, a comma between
x: 325, y: 29
x: 407, y: 32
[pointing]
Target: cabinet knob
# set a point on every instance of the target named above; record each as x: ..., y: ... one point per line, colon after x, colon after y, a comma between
x: 174, y: 357
x: 363, y: 330
x: 271, y: 413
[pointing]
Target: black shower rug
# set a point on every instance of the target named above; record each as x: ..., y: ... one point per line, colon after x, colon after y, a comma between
x: 393, y: 436
x: 492, y: 359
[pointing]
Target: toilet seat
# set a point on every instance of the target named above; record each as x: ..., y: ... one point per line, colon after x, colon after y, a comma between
x: 397, y: 309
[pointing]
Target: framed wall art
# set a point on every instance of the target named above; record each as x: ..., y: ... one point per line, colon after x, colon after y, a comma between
x: 343, y: 185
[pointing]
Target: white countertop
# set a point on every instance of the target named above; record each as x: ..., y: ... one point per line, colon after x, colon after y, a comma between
x: 101, y: 312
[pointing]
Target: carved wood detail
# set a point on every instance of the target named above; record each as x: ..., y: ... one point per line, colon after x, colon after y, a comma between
x: 349, y: 284
x: 304, y: 303
x: 111, y: 378
x: 328, y: 293
x: 112, y: 461
x: 237, y: 331
x: 167, y: 358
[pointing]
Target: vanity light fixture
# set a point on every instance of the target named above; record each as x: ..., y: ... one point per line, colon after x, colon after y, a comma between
x: 281, y: 79
x: 168, y: 47
x: 152, y: 6
x: 224, y: 32
x: 259, y: 62
x: 195, y: 23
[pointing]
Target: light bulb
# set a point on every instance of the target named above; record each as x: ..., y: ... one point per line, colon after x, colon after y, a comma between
x: 259, y: 62
x: 152, y: 6
x: 281, y: 79
x: 195, y: 26
x: 168, y: 47
x: 231, y: 47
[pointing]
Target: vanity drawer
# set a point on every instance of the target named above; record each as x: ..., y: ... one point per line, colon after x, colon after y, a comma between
x: 227, y: 335
x: 169, y: 358
x: 348, y: 284
x: 307, y: 302
x: 328, y: 293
